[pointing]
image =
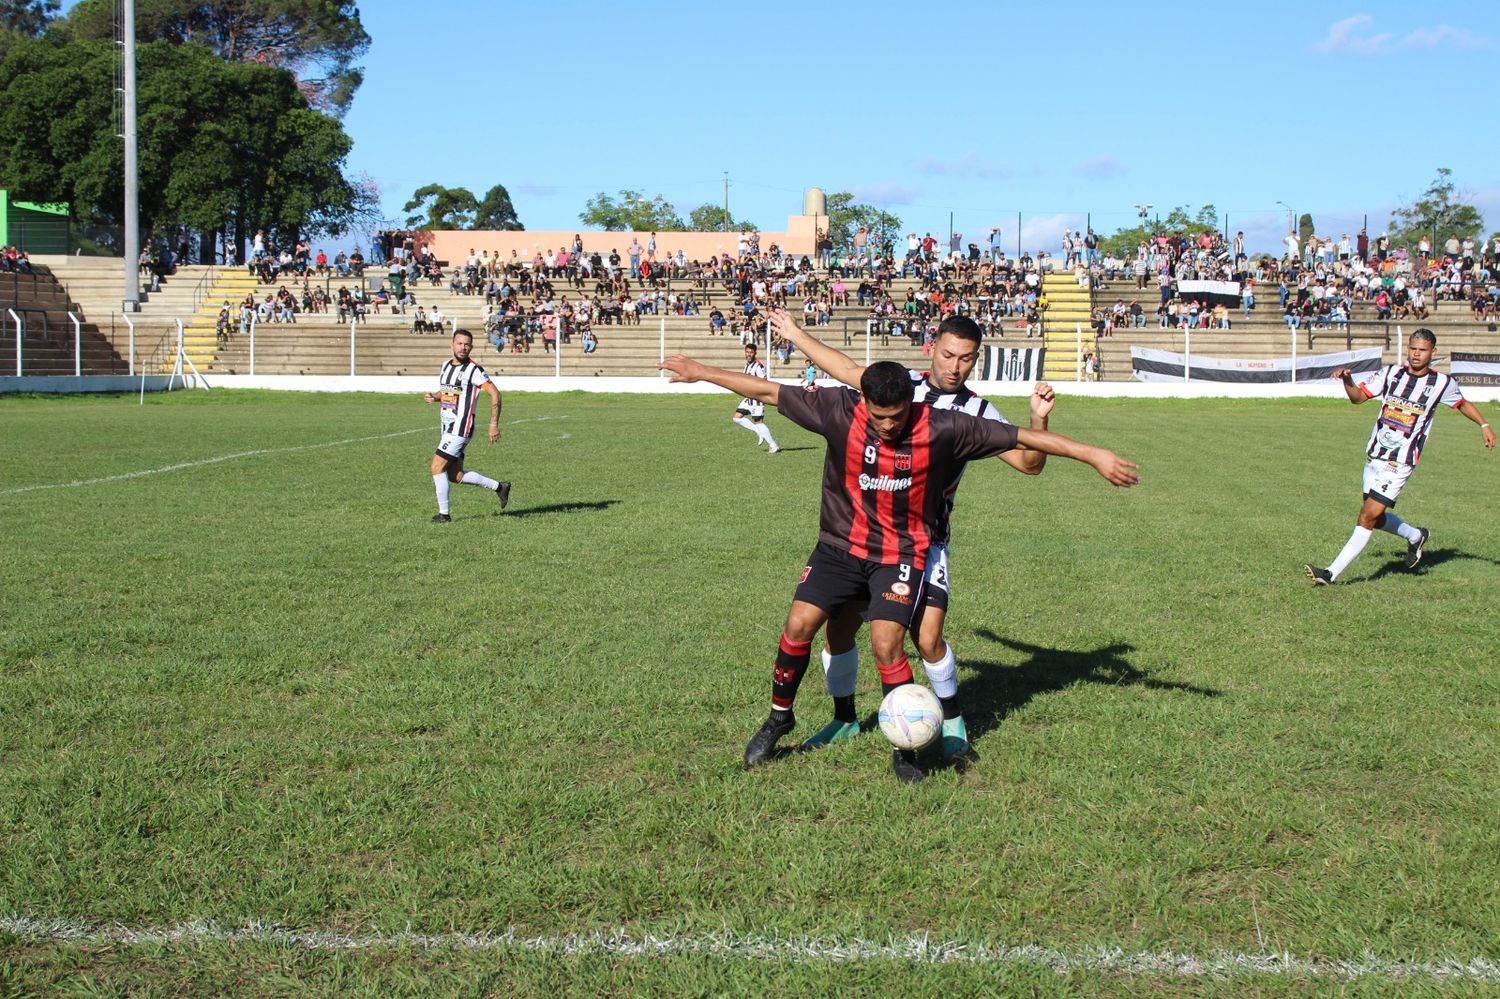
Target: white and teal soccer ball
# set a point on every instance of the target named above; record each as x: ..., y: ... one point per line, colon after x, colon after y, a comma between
x: 911, y: 716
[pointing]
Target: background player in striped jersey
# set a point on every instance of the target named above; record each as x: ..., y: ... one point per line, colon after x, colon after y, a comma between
x: 887, y: 473
x: 954, y: 354
x: 751, y: 413
x: 1409, y: 395
x: 459, y: 384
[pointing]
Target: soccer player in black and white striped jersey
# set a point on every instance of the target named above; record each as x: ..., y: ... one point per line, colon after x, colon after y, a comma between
x: 1409, y: 395
x: 751, y: 413
x: 954, y: 354
x: 459, y: 384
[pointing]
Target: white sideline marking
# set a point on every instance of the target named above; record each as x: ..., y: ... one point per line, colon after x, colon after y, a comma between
x: 774, y: 946
x: 76, y: 483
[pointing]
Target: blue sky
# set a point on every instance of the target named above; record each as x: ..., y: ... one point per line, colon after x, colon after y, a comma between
x: 981, y: 110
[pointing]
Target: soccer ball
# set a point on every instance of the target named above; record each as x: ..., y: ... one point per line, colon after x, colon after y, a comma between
x: 911, y: 716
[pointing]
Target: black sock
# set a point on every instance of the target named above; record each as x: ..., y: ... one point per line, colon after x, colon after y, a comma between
x: 843, y: 709
x: 950, y: 707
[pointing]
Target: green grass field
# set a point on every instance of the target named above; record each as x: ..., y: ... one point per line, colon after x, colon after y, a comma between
x: 267, y: 692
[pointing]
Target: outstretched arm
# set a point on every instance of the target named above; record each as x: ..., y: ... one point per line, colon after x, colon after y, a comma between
x: 1472, y: 412
x: 1351, y: 387
x: 685, y: 369
x: 1027, y: 461
x: 838, y: 364
x: 1108, y: 464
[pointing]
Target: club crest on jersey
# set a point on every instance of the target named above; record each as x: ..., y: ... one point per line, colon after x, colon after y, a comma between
x: 806, y: 571
x: 903, y: 462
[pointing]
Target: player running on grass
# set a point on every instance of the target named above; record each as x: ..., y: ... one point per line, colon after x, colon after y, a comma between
x: 460, y: 383
x: 889, y: 466
x: 954, y: 354
x: 751, y: 413
x: 1410, y: 395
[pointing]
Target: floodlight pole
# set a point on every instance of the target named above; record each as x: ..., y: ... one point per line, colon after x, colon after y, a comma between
x: 132, y: 301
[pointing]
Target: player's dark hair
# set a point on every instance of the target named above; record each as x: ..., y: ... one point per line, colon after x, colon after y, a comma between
x: 463, y: 332
x: 1423, y: 333
x: 886, y: 383
x: 962, y: 327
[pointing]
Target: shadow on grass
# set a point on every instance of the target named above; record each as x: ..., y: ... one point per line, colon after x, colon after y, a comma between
x: 998, y: 689
x: 578, y: 507
x: 1431, y: 558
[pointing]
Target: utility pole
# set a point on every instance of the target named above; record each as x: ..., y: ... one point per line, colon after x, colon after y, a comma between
x: 725, y: 222
x: 132, y: 300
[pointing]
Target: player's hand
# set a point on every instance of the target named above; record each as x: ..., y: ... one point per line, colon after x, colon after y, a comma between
x: 1489, y: 437
x: 494, y: 432
x: 429, y: 397
x: 1117, y: 470
x: 782, y: 324
x: 1042, y: 400
x: 683, y: 368
x: 1342, y: 374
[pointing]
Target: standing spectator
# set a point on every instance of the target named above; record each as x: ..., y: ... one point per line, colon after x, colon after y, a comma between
x: 634, y: 252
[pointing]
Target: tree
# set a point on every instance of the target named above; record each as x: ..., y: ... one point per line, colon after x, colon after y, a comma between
x: 1437, y: 214
x: 1123, y: 242
x: 630, y: 211
x: 27, y: 17
x: 263, y: 160
x: 1305, y: 228
x: 438, y: 207
x: 496, y: 211
x: 845, y: 216
x: 711, y: 218
x: 317, y: 40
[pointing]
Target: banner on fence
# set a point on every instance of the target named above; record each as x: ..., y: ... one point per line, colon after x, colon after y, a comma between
x: 1163, y: 366
x: 1475, y: 369
x: 1210, y: 292
x: 1010, y: 364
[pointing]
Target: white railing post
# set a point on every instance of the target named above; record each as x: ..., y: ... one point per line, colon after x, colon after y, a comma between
x: 1294, y: 357
x: 659, y: 372
x: 869, y: 335
x: 1187, y: 354
x: 1078, y: 356
x: 352, y: 325
x: 19, y: 335
x: 77, y: 346
x: 254, y: 315
x: 556, y: 344
x: 130, y: 323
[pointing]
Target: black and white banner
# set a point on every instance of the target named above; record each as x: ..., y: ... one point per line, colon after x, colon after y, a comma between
x: 1475, y: 369
x: 1163, y: 366
x: 1210, y: 293
x: 1010, y: 364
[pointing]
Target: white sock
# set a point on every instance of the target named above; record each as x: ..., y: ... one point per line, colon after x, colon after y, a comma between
x: 943, y: 674
x: 764, y: 433
x: 475, y: 479
x: 841, y: 671
x: 441, y: 482
x: 744, y: 421
x: 1395, y: 525
x: 1352, y: 548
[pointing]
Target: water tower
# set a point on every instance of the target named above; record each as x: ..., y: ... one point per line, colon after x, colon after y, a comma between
x: 814, y: 202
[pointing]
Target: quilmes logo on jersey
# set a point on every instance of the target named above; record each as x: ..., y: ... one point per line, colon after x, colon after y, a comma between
x: 884, y: 483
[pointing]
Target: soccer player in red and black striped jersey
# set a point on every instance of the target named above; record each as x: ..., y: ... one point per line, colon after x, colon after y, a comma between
x: 886, y: 473
x: 955, y: 352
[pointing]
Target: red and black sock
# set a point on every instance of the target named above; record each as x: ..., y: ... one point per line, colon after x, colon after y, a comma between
x: 791, y: 666
x: 893, y: 675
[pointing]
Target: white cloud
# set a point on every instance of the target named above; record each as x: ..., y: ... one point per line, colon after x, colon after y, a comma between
x: 884, y: 195
x: 1045, y: 232
x: 536, y: 190
x: 967, y: 165
x: 1353, y: 35
x: 1104, y: 167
